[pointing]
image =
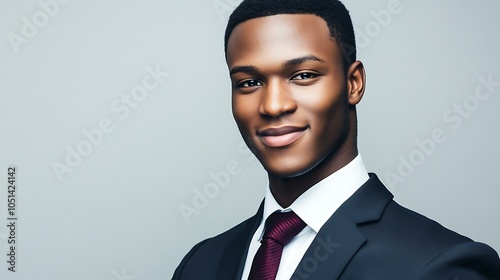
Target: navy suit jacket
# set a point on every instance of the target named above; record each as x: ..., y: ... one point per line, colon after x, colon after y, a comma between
x: 369, y: 237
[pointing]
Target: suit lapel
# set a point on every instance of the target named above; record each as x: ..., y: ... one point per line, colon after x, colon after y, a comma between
x: 331, y: 250
x: 340, y: 237
x: 233, y: 260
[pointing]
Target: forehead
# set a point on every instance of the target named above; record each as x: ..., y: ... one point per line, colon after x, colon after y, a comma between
x: 279, y: 38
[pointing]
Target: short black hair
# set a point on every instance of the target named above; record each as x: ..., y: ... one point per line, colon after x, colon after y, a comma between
x: 333, y: 12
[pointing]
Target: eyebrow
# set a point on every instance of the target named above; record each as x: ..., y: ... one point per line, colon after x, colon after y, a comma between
x: 300, y: 60
x: 289, y: 63
x: 243, y: 69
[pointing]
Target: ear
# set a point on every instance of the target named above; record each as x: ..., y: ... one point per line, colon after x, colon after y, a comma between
x: 356, y: 80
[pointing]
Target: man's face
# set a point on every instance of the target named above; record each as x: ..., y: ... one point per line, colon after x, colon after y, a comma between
x: 289, y: 95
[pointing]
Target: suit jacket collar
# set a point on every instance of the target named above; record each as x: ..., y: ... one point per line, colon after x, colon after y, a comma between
x: 336, y: 243
x: 340, y: 238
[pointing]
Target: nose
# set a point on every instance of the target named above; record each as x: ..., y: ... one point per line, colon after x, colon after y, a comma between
x: 276, y: 100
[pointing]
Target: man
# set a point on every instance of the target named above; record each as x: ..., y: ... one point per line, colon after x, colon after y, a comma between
x: 295, y: 86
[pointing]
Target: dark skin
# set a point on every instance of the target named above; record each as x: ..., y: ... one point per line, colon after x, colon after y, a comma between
x: 293, y: 101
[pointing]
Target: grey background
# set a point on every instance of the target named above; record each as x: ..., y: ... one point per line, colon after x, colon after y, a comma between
x: 116, y: 215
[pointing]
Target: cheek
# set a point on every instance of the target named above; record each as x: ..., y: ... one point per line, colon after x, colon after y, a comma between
x: 325, y: 105
x: 243, y: 111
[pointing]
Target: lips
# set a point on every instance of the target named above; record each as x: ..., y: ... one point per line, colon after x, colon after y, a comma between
x: 281, y: 136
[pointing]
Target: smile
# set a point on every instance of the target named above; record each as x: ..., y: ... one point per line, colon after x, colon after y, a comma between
x: 281, y: 136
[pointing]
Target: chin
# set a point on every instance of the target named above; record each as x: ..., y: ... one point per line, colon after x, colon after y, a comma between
x: 284, y: 175
x: 282, y: 170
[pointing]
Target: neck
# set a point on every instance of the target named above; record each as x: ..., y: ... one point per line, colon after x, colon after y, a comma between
x: 287, y: 190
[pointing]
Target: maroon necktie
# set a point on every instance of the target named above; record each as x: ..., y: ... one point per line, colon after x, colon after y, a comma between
x: 280, y: 228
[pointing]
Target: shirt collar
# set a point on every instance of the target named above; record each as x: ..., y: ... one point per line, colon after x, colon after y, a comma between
x: 318, y: 203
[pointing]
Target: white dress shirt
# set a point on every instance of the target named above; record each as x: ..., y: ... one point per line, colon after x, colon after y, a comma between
x: 314, y: 207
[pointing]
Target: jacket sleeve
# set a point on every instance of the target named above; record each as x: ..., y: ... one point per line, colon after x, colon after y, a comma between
x: 464, y: 261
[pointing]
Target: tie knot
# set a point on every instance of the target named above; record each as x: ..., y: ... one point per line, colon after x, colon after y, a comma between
x: 283, y: 227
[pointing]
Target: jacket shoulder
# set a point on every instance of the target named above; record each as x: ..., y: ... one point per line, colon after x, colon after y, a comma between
x: 416, y: 245
x: 467, y: 260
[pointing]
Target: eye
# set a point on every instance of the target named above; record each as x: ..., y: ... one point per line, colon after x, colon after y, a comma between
x: 304, y: 76
x: 249, y: 83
